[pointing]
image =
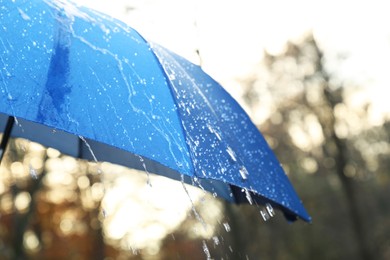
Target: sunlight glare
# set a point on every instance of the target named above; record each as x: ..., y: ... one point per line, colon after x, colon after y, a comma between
x: 144, y: 215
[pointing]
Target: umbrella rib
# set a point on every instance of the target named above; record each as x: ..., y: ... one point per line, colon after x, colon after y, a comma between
x: 200, y: 92
x: 171, y: 89
x: 6, y: 136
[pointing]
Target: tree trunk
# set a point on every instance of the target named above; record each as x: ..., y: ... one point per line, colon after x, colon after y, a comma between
x: 348, y: 184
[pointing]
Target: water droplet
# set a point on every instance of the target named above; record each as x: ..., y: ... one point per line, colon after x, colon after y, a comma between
x: 216, y: 240
x: 148, y: 180
x: 226, y: 226
x: 23, y: 14
x: 134, y: 250
x: 17, y: 122
x: 206, y: 249
x: 218, y: 135
x: 211, y: 129
x: 270, y: 209
x: 268, y: 212
x: 33, y: 172
x: 232, y: 154
x: 264, y: 214
x: 197, y: 216
x: 248, y: 196
x: 243, y: 172
x: 179, y: 164
x: 89, y: 148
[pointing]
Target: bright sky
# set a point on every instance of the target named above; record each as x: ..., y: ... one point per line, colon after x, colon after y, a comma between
x: 232, y: 34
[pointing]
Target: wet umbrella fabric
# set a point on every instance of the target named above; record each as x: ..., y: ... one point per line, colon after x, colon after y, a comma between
x: 110, y: 95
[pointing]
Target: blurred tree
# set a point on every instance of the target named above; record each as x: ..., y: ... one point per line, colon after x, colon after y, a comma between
x: 326, y: 146
x: 50, y: 209
x: 45, y: 213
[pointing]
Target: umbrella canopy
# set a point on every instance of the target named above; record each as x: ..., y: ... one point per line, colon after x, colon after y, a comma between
x: 110, y: 95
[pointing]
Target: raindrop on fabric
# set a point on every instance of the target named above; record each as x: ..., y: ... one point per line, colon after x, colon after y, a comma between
x: 23, y: 15
x: 243, y: 172
x: 232, y: 154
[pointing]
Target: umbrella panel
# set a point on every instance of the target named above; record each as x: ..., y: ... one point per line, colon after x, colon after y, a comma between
x: 91, y: 150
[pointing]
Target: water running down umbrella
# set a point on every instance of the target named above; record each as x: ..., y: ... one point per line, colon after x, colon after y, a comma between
x: 87, y: 75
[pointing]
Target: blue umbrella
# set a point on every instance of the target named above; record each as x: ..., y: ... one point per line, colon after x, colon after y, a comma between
x: 92, y: 87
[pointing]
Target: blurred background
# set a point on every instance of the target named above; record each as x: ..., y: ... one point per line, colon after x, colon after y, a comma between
x: 313, y: 75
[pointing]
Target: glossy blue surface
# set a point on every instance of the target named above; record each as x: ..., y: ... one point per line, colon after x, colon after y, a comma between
x: 85, y: 74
